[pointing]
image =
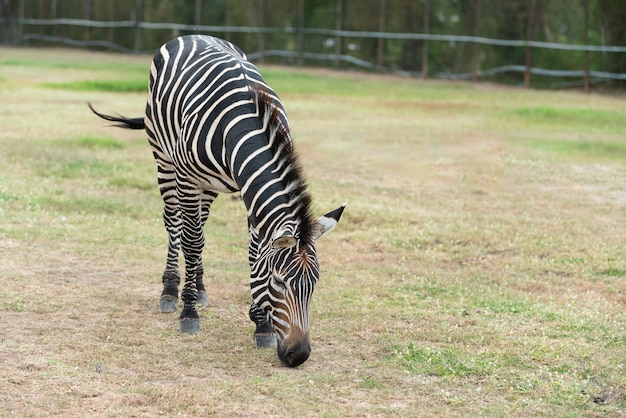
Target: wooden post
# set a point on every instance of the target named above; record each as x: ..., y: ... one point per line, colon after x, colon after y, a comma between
x: 261, y: 36
x: 20, y: 31
x: 586, y: 38
x: 86, y: 16
x: 227, y: 19
x: 338, y: 25
x: 300, y: 34
x: 111, y: 19
x: 63, y: 13
x: 42, y: 28
x: 529, y: 34
x: 382, y: 11
x: 7, y: 30
x: 425, y: 48
x: 138, y: 18
x: 198, y: 13
x: 476, y: 49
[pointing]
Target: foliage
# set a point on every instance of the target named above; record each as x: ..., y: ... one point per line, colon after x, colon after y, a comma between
x: 551, y: 20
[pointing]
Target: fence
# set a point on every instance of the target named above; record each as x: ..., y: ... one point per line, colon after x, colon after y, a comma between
x: 294, y: 51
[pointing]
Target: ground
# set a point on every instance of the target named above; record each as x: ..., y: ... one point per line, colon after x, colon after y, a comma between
x: 478, y: 269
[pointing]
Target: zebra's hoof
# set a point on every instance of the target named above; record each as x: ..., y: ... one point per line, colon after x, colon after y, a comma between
x: 203, y: 299
x: 265, y: 340
x: 167, y: 304
x: 189, y: 325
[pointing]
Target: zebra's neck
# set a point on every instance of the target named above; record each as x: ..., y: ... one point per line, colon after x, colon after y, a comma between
x: 269, y: 174
x: 272, y: 205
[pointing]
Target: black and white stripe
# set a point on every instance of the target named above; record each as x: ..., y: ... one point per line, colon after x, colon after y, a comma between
x: 215, y: 126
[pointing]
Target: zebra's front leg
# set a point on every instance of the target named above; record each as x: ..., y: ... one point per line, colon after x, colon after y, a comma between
x: 207, y: 199
x: 264, y: 335
x: 173, y: 224
x: 192, y: 242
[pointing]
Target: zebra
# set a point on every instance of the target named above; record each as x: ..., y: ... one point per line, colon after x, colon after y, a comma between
x: 215, y: 126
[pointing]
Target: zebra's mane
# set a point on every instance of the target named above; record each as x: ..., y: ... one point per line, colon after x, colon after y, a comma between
x: 288, y: 160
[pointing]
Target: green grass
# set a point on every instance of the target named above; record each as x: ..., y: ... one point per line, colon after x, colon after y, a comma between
x: 586, y: 149
x: 297, y: 82
x: 478, y: 269
x: 564, y: 115
x: 119, y: 86
x: 91, y: 143
x: 54, y: 61
x: 445, y: 362
x: 615, y: 272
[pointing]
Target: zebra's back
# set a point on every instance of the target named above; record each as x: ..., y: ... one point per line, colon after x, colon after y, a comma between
x: 200, y: 105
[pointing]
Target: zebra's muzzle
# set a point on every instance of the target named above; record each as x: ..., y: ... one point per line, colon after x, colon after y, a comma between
x: 293, y: 354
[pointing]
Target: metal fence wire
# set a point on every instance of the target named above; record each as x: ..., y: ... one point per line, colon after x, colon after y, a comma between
x: 24, y: 31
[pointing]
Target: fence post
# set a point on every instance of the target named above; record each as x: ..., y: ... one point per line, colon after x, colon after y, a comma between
x: 5, y: 30
x: 380, y: 59
x: 227, y: 18
x: 41, y: 15
x: 63, y: 13
x: 20, y: 31
x: 300, y: 34
x: 111, y: 18
x: 425, y: 48
x: 86, y: 16
x: 138, y: 18
x: 198, y: 13
x: 586, y: 37
x: 338, y: 24
x: 529, y: 34
x: 261, y: 35
x: 476, y: 52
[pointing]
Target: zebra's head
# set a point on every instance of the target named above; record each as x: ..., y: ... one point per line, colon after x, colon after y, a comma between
x: 292, y: 271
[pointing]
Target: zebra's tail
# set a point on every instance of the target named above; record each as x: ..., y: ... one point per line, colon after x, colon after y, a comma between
x: 121, y: 121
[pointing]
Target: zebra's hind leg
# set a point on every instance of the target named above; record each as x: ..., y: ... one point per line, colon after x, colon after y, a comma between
x: 203, y: 299
x: 264, y: 335
x: 189, y: 318
x: 207, y: 199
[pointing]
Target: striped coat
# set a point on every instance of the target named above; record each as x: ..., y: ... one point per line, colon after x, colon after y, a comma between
x: 215, y: 126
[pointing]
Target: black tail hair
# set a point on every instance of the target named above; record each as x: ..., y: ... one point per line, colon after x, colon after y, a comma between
x: 121, y: 121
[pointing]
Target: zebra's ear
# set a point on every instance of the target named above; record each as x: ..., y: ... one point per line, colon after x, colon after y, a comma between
x: 327, y: 222
x: 284, y: 241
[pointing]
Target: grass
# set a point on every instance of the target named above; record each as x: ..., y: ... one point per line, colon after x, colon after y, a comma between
x: 478, y: 270
x: 582, y: 149
x: 120, y: 86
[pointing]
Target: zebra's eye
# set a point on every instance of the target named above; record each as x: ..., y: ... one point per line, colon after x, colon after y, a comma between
x: 279, y: 279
